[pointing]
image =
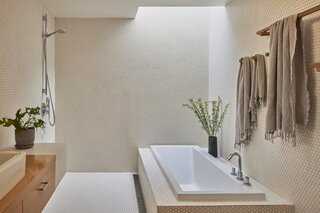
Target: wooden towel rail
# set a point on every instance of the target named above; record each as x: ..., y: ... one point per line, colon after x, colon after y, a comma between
x: 315, y: 66
x: 266, y: 31
x: 255, y: 57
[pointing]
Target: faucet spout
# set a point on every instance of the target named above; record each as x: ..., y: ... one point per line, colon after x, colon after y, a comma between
x: 239, y: 174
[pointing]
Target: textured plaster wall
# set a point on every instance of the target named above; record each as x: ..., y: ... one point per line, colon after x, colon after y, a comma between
x: 20, y: 61
x: 292, y: 172
x: 121, y: 85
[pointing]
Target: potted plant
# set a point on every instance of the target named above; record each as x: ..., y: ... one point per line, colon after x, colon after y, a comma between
x: 210, y: 122
x: 25, y: 124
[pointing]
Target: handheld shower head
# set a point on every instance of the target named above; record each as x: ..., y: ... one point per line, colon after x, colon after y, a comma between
x: 48, y: 106
x: 60, y: 31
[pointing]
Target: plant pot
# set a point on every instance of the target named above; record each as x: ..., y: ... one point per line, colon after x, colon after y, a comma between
x: 213, y: 146
x: 25, y: 138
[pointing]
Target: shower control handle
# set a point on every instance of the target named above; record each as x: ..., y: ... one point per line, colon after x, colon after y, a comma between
x: 45, y: 107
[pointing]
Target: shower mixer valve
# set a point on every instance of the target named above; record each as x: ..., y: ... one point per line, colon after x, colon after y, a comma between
x: 45, y: 107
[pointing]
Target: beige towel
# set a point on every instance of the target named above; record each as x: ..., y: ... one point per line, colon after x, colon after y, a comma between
x: 258, y: 88
x: 287, y: 99
x: 261, y: 81
x: 243, y: 120
x: 253, y: 105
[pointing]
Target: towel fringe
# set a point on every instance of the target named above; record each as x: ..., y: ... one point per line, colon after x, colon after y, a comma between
x: 285, y: 136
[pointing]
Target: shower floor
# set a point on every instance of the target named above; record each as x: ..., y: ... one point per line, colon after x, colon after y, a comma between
x: 94, y: 192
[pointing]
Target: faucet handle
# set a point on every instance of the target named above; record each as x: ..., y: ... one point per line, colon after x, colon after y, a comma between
x: 233, y: 172
x: 240, y: 176
x: 247, y: 181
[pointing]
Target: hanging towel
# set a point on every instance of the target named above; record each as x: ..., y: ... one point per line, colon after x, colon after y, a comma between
x: 243, y: 120
x: 253, y: 105
x: 288, y: 97
x: 260, y: 81
x: 258, y: 87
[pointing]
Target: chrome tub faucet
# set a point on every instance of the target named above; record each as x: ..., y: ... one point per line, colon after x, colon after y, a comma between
x: 239, y: 173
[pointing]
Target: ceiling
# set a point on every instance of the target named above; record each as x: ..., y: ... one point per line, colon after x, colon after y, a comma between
x: 182, y: 3
x: 115, y: 8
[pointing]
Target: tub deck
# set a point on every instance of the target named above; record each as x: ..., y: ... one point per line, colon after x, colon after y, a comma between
x: 159, y: 197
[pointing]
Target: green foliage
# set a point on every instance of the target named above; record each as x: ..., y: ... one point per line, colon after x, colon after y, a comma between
x: 211, y: 123
x: 20, y: 123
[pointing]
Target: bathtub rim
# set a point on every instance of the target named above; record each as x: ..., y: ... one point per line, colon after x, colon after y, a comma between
x: 256, y: 193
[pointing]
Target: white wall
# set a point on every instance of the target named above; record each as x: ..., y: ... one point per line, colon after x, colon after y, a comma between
x: 292, y: 172
x: 20, y: 62
x: 121, y: 85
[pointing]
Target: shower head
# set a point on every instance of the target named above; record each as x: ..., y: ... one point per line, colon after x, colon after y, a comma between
x: 60, y: 31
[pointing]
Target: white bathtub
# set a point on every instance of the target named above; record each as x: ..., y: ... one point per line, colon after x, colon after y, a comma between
x: 193, y: 174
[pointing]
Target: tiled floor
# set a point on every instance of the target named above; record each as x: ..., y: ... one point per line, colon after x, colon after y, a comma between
x: 94, y: 192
